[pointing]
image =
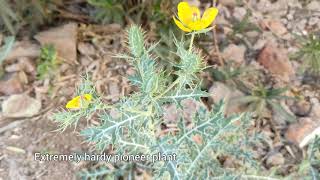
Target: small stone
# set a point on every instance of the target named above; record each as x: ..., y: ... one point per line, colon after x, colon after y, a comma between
x: 190, y: 107
x: 313, y: 21
x: 114, y: 91
x: 13, y: 67
x: 263, y: 6
x: 290, y: 15
x: 229, y: 163
x: 315, y: 112
x: 276, y: 60
x: 195, y: 3
x: 219, y: 92
x: 303, y: 131
x: 301, y: 108
x: 171, y: 114
x: 197, y: 139
x: 301, y: 25
x: 314, y: 6
x: 23, y: 49
x: 11, y: 84
x: 252, y: 34
x: 275, y: 159
x: 275, y: 26
x: 24, y: 64
x: 27, y: 65
x: 85, y: 61
x: 20, y: 105
x: 63, y: 38
x: 230, y: 3
x: 239, y: 13
x: 86, y: 49
x: 234, y: 53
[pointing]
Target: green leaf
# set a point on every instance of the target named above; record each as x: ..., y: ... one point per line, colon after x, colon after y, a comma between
x: 136, y: 41
x: 277, y: 107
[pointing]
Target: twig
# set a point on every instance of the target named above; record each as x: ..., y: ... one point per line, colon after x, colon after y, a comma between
x: 11, y: 126
x: 216, y: 47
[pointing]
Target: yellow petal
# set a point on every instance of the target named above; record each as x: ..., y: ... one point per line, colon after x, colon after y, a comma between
x: 79, y: 102
x: 74, y: 103
x: 208, y: 17
x: 181, y: 26
x: 88, y: 97
x: 184, y: 12
x: 196, y: 25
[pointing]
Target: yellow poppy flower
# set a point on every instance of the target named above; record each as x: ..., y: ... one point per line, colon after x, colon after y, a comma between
x: 79, y: 102
x: 189, y: 17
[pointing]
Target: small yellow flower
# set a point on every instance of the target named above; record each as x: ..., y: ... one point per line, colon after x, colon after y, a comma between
x: 79, y: 102
x: 189, y: 17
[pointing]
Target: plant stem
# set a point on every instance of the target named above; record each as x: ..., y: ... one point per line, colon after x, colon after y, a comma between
x: 168, y: 89
x: 191, y: 42
x: 177, y: 80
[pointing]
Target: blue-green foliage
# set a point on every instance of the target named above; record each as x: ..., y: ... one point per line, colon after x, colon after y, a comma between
x: 135, y: 126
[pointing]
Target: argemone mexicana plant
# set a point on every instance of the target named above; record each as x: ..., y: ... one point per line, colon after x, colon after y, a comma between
x: 136, y: 127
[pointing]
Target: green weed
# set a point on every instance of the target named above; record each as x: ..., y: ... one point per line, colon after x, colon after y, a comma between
x: 310, y: 55
x: 135, y: 130
x: 47, y: 62
x: 262, y: 98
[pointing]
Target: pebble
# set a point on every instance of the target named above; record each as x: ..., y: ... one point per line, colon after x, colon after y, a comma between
x: 275, y: 159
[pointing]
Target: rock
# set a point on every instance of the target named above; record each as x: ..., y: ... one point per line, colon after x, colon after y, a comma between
x: 114, y: 91
x: 239, y: 13
x: 13, y: 68
x: 252, y: 34
x: 197, y: 139
x: 301, y: 108
x: 314, y: 6
x: 234, y: 53
x: 229, y: 162
x: 195, y: 3
x: 64, y: 39
x: 276, y: 60
x: 263, y: 6
x: 86, y: 49
x: 266, y: 37
x: 313, y: 21
x: 27, y: 65
x: 24, y: 64
x: 20, y: 105
x: 278, y: 8
x: 23, y: 49
x: 189, y: 107
x: 301, y: 25
x: 275, y: 26
x: 85, y: 61
x: 303, y: 131
x: 230, y: 3
x: 219, y: 92
x: 275, y: 159
x: 11, y: 84
x: 171, y: 114
x: 315, y: 112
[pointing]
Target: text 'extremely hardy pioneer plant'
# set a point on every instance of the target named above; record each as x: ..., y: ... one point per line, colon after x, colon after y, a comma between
x: 137, y: 126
